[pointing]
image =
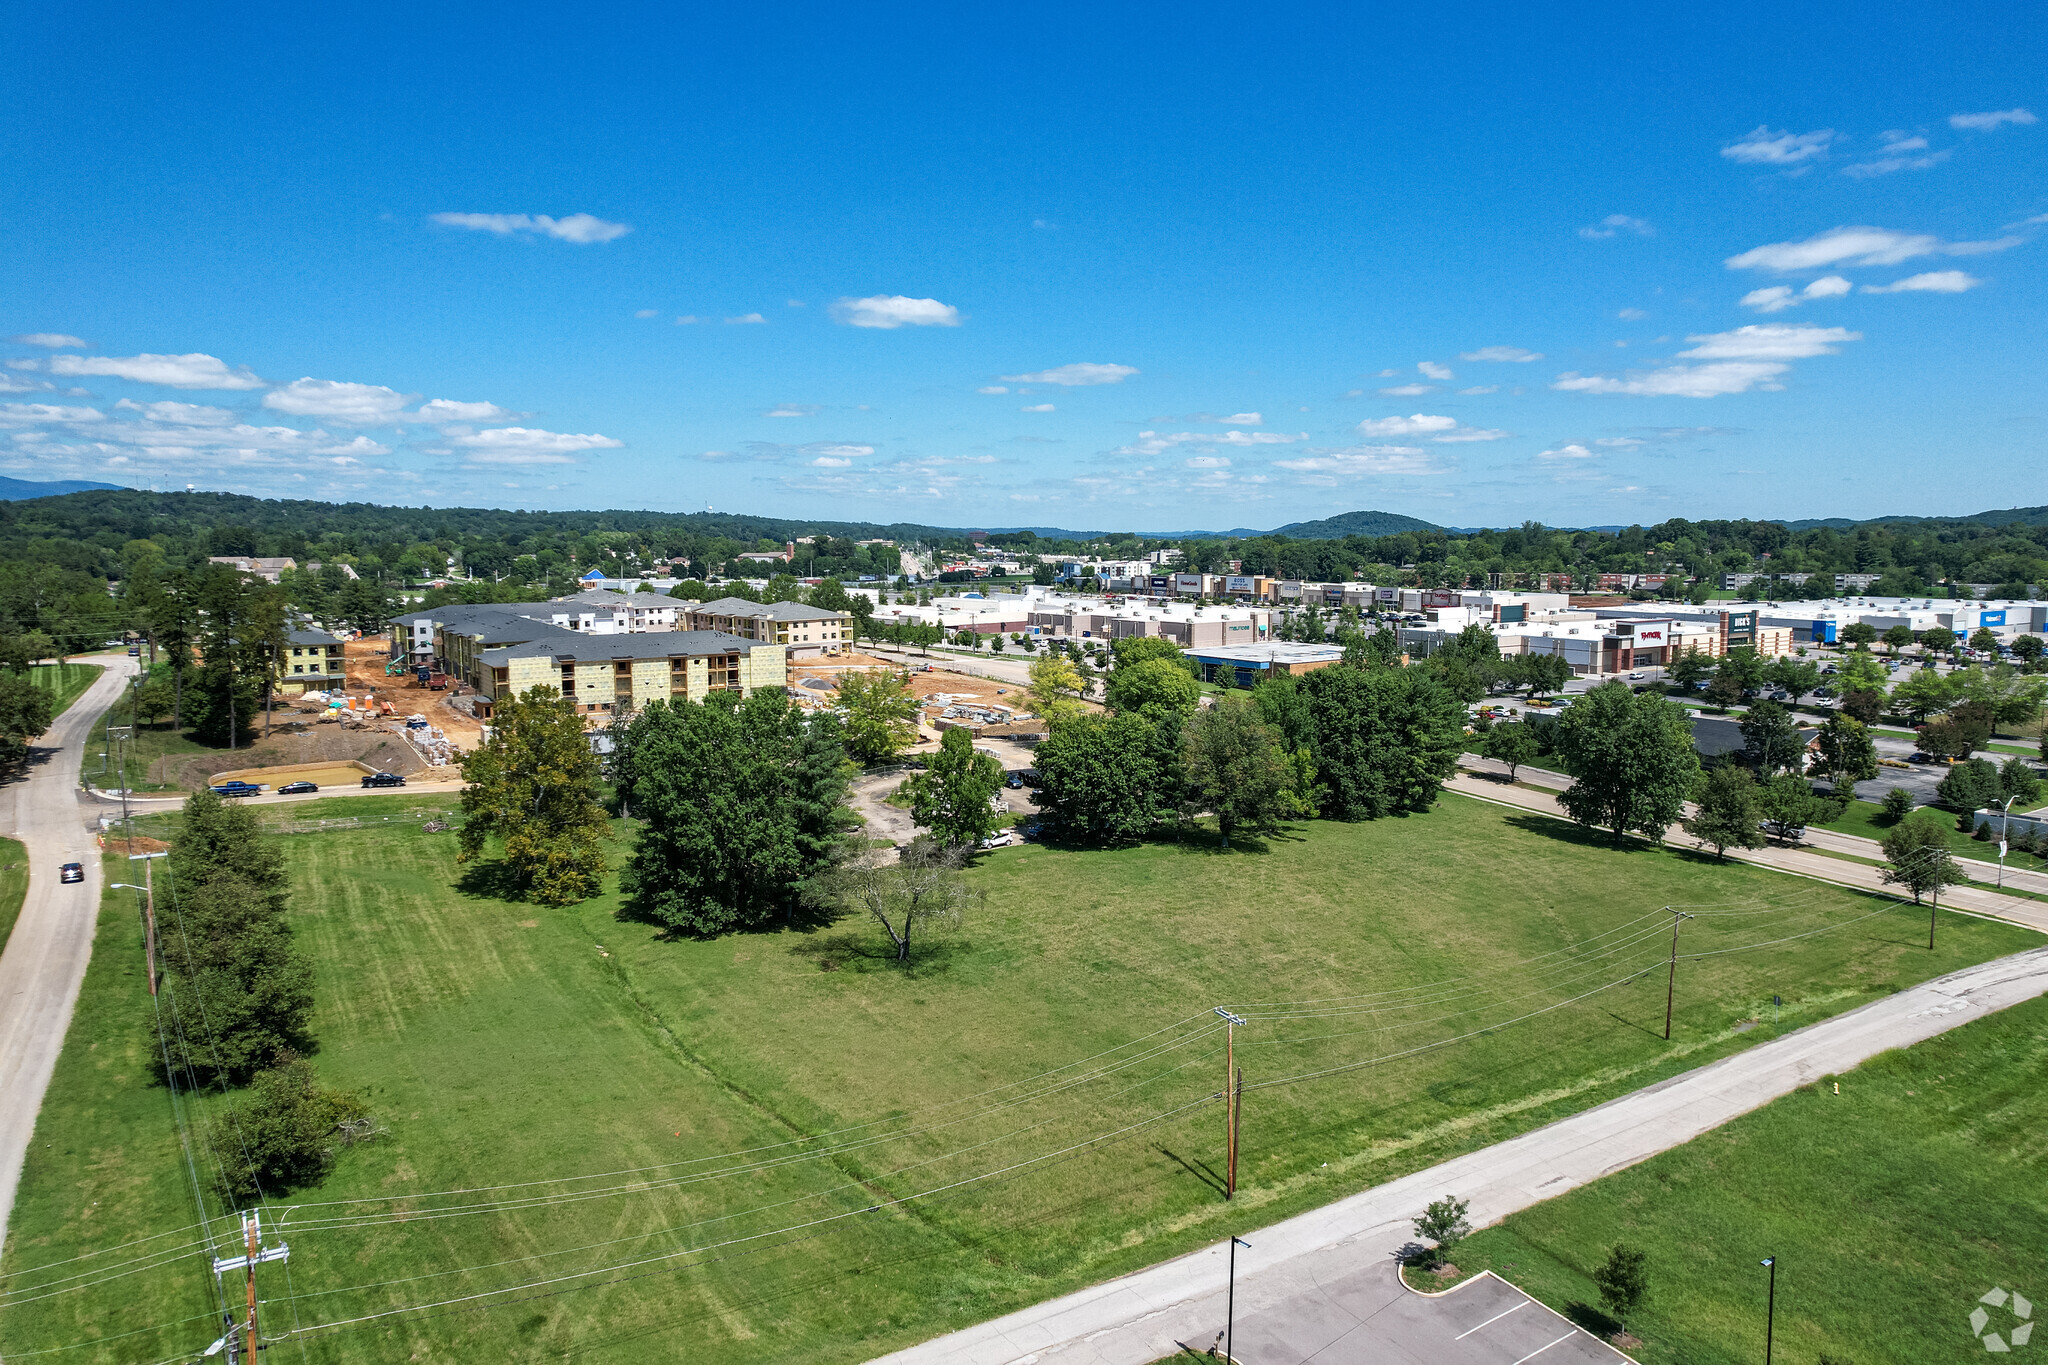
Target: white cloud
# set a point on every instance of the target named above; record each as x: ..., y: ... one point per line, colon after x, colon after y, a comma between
x: 49, y: 341
x: 10, y: 384
x: 1420, y: 424
x: 49, y: 412
x: 1932, y: 282
x: 1512, y: 354
x: 687, y: 319
x: 1431, y: 370
x: 451, y: 410
x: 529, y: 445
x: 333, y: 400
x: 1208, y: 462
x: 1902, y: 142
x: 1895, y: 159
x: 890, y: 311
x: 1036, y: 407
x: 1681, y: 381
x: 993, y: 388
x: 1566, y: 452
x: 1476, y: 390
x: 1766, y: 148
x: 748, y: 318
x: 1358, y: 462
x: 1985, y: 123
x: 1849, y: 246
x: 178, y: 414
x: 1769, y: 341
x: 1614, y: 223
x: 794, y: 303
x: 580, y: 228
x: 792, y: 410
x: 1078, y: 375
x: 647, y: 312
x: 1465, y: 434
x: 1157, y: 442
x: 1409, y: 390
x: 193, y: 371
x: 1242, y: 419
x: 1778, y: 297
x: 1620, y: 442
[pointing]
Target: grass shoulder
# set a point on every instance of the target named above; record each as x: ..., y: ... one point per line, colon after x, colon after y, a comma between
x: 13, y: 885
x: 66, y: 682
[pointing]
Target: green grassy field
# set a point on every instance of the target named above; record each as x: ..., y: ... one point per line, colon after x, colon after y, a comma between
x: 907, y: 1175
x: 13, y: 885
x: 66, y: 682
x: 1867, y: 818
x: 1892, y: 1207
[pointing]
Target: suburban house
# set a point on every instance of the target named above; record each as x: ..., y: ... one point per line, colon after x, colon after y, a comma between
x: 272, y: 569
x: 312, y: 662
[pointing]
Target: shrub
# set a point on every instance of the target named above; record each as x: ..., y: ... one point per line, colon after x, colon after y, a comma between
x: 1898, y: 804
x: 282, y: 1134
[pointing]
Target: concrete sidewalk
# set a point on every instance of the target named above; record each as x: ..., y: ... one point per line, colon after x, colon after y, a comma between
x: 1305, y: 1288
x: 1805, y: 862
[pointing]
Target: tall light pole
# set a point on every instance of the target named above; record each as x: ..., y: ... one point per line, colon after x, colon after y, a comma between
x: 2004, y: 823
x: 1233, y: 1094
x: 148, y: 890
x: 1771, y: 1307
x: 1230, y: 1304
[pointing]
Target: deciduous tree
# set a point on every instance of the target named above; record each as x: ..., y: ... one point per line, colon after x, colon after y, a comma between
x: 1771, y: 742
x: 1726, y: 811
x: 1844, y: 753
x: 1631, y: 759
x: 1101, y: 778
x: 880, y: 719
x: 534, y: 787
x: 1789, y: 805
x: 951, y: 797
x: 911, y: 894
x: 1513, y: 743
x: 1623, y: 1280
x: 1152, y: 687
x: 1383, y: 739
x: 1236, y: 767
x: 1917, y: 858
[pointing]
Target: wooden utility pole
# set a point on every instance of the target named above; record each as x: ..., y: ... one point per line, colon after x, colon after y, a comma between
x: 249, y: 1225
x: 1671, y: 986
x: 254, y: 1254
x: 1233, y: 1094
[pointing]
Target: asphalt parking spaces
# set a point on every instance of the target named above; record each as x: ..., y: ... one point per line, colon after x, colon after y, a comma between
x: 1368, y: 1316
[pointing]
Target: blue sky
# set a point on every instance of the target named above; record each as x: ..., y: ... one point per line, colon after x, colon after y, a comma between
x: 1129, y: 267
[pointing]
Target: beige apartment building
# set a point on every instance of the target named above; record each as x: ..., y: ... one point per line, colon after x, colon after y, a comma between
x: 605, y: 674
x: 804, y: 631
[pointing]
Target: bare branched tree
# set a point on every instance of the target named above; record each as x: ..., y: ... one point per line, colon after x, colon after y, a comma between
x: 916, y: 893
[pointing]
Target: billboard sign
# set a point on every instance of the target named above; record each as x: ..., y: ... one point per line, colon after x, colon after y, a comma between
x: 1741, y: 627
x: 1652, y: 634
x: 1238, y: 583
x: 1386, y: 594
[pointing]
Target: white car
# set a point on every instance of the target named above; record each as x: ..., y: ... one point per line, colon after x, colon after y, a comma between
x: 1635, y: 677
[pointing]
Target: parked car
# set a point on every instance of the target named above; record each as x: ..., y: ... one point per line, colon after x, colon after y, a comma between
x: 1917, y: 757
x: 298, y: 788
x: 71, y: 872
x: 1781, y: 695
x: 383, y: 780
x: 1002, y: 838
x: 135, y: 651
x: 1014, y: 783
x: 1823, y: 693
x: 1635, y: 677
x: 1831, y: 669
x: 237, y: 789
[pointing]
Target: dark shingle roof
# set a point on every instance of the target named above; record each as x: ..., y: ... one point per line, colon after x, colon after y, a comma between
x: 569, y: 644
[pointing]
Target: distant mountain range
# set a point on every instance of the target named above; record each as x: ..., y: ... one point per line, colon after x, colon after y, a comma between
x: 2011, y: 516
x: 1328, y: 528
x: 13, y: 490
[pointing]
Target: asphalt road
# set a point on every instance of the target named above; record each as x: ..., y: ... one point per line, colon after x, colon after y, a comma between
x: 45, y: 958
x: 1305, y: 1288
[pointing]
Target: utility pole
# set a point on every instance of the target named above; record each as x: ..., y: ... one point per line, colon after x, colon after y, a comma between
x: 255, y: 1254
x: 1230, y: 1303
x: 1671, y: 986
x: 1233, y: 1091
x: 1771, y: 1309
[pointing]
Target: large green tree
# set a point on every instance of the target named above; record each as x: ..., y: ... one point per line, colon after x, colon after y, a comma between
x: 1726, y: 814
x: 1235, y: 766
x: 24, y: 715
x: 953, y: 796
x: 1513, y: 743
x: 1152, y: 687
x: 534, y: 787
x: 1383, y: 739
x: 1631, y: 759
x: 1844, y: 753
x: 1101, y: 778
x: 1771, y: 742
x: 880, y: 714
x: 741, y: 803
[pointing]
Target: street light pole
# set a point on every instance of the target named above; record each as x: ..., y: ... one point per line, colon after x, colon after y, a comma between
x: 1230, y: 1304
x: 1233, y: 1093
x: 1771, y: 1307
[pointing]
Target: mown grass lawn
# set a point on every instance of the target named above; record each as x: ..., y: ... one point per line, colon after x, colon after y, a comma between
x: 1867, y: 818
x: 13, y: 885
x: 1891, y: 1207
x: 65, y: 682
x: 503, y: 1043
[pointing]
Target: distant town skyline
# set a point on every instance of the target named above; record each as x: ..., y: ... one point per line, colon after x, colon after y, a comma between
x: 1090, y: 268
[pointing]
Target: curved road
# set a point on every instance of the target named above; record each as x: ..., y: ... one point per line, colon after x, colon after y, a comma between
x: 45, y: 957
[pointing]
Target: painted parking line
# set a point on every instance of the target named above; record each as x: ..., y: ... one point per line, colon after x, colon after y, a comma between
x: 1541, y: 1349
x: 1492, y: 1320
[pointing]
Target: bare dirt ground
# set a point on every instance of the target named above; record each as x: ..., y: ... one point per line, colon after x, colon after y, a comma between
x: 294, y: 739
x: 365, y: 672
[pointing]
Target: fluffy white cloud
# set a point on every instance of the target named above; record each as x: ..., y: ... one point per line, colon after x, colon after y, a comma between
x: 334, y: 400
x: 1566, y: 452
x: 647, y: 312
x: 13, y: 384
x: 890, y: 311
x: 1479, y: 389
x: 1358, y: 462
x: 1512, y: 354
x: 178, y: 414
x: 993, y: 388
x: 1778, y: 297
x: 529, y: 445
x: 580, y: 228
x: 1431, y: 370
x: 1769, y: 341
x: 1631, y: 315
x: 1419, y: 424
x: 1409, y: 390
x: 1614, y: 223
x: 1036, y: 407
x: 1681, y: 381
x: 1858, y: 246
x: 1897, y: 156
x: 1465, y: 434
x: 1157, y: 442
x: 1766, y: 148
x: 171, y: 371
x: 1985, y: 123
x: 1208, y: 462
x: 748, y: 318
x: 792, y: 410
x: 1078, y: 375
x: 49, y: 341
x: 49, y: 412
x: 1931, y: 282
x: 450, y: 410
